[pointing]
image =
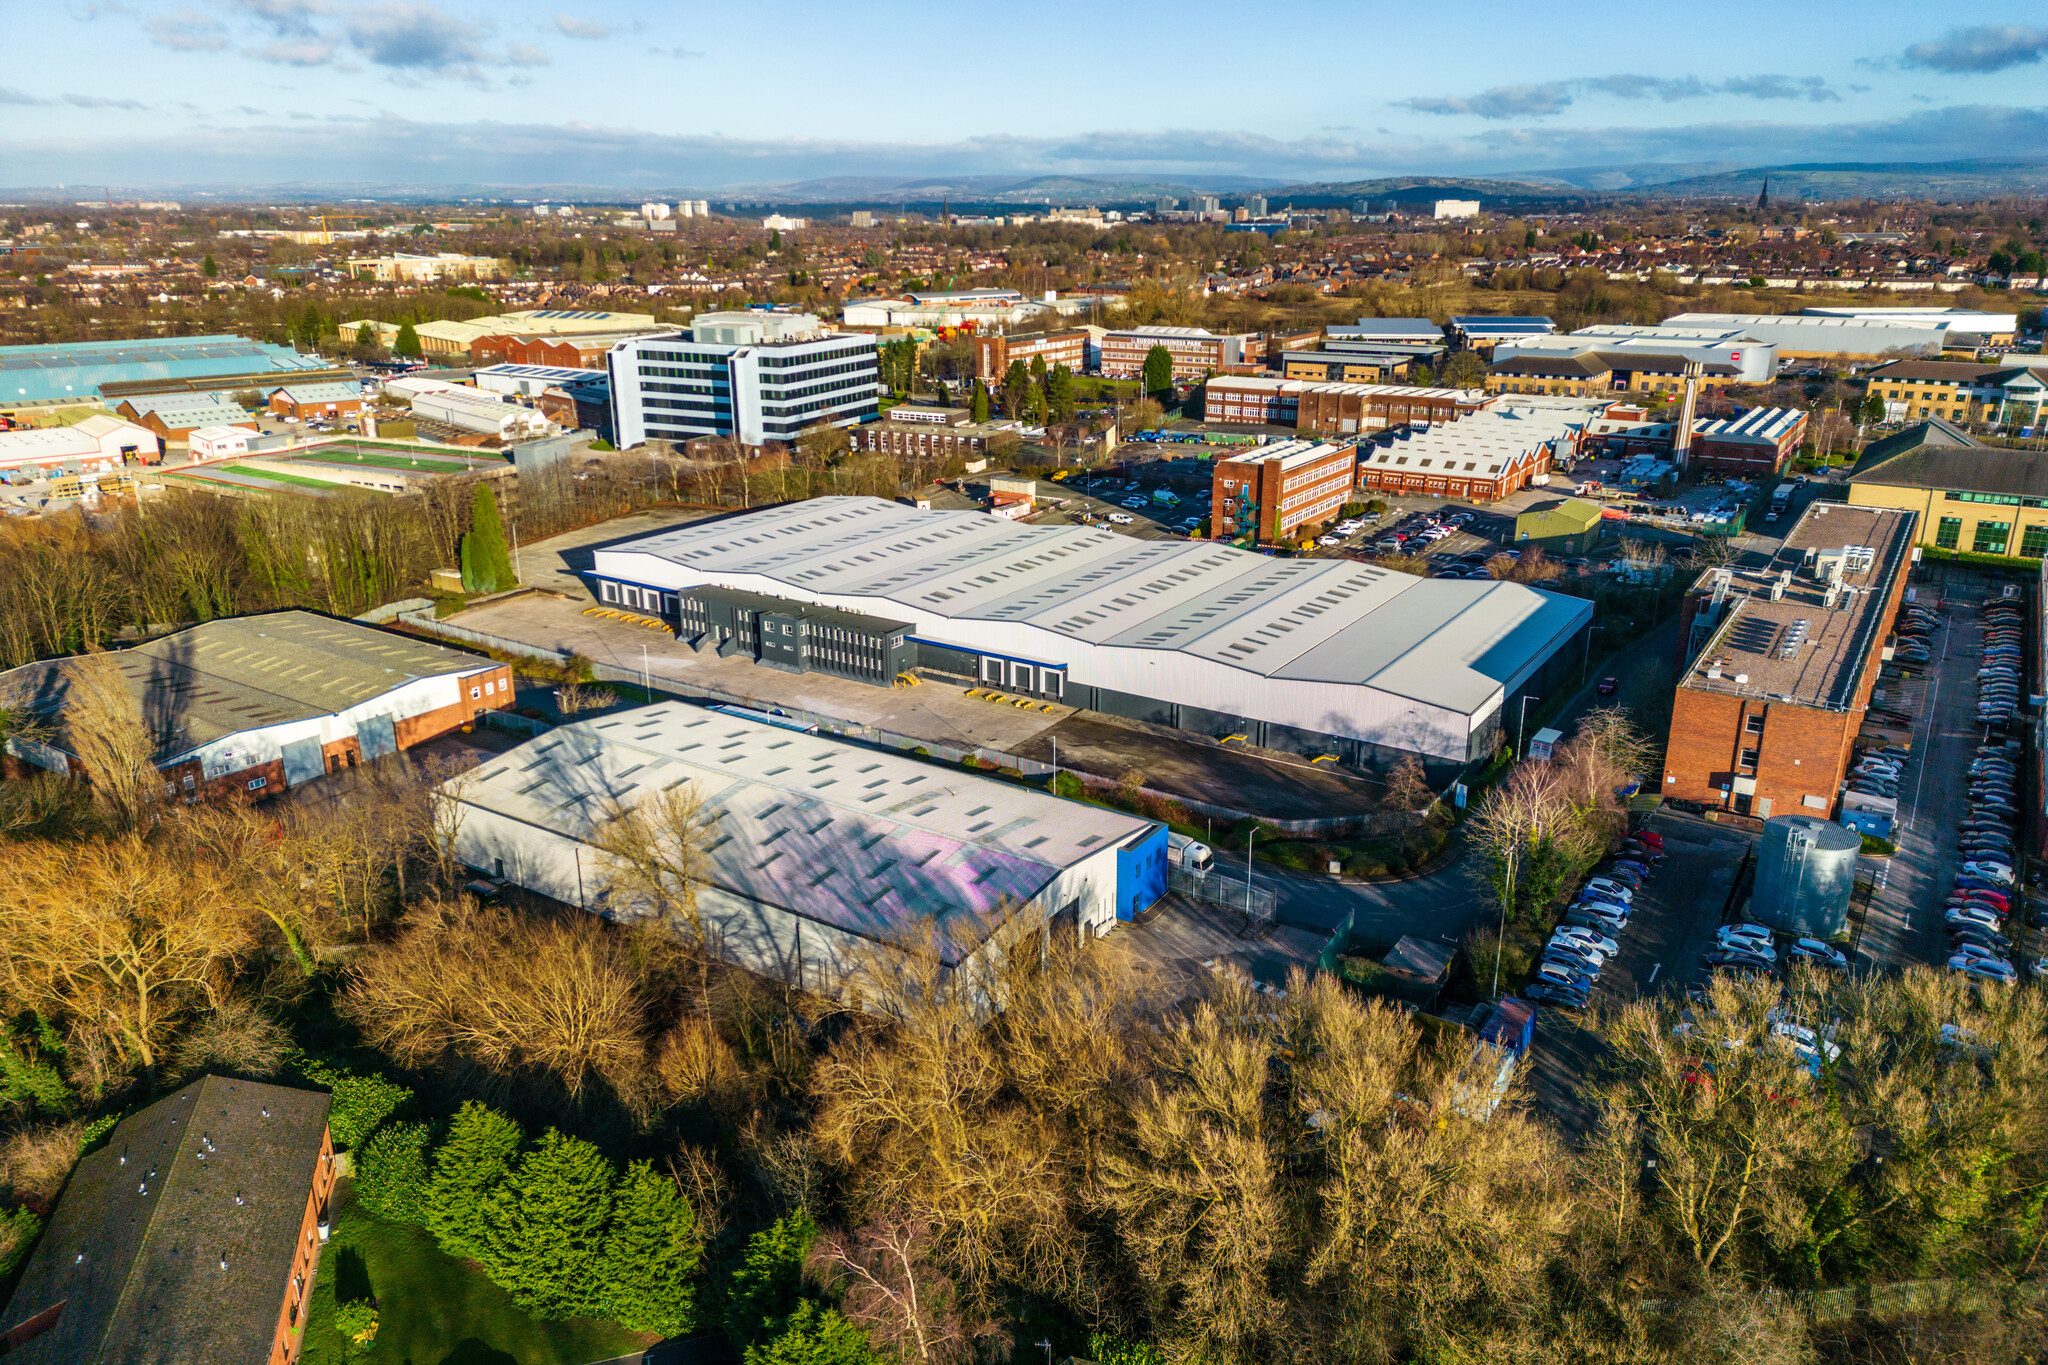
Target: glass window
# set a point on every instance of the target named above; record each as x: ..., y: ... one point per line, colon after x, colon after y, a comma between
x: 1991, y: 537
x: 2034, y: 541
x: 1950, y: 531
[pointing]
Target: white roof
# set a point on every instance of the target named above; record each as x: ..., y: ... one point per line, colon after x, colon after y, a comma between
x: 78, y: 439
x: 220, y: 433
x: 868, y: 841
x: 1486, y: 443
x: 1449, y: 642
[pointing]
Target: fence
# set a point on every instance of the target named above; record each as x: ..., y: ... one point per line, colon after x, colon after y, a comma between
x: 1336, y: 943
x: 1257, y: 904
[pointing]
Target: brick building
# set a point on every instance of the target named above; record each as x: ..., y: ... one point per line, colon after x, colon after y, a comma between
x: 1480, y: 458
x: 1332, y: 409
x: 1195, y: 351
x: 1268, y: 495
x: 191, y: 1235
x: 1755, y: 445
x: 1780, y: 662
x: 925, y: 433
x: 1341, y: 366
x: 993, y: 355
x: 306, y: 401
x: 249, y: 706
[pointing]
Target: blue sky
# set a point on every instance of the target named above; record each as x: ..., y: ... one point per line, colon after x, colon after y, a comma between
x: 162, y: 92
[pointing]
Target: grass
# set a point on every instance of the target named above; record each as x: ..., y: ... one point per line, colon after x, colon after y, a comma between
x: 271, y: 476
x: 427, y: 460
x: 435, y: 1310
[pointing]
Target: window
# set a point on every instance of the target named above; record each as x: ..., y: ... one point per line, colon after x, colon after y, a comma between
x: 1749, y: 758
x: 475, y: 692
x: 257, y: 784
x: 2034, y: 541
x: 608, y: 591
x: 1991, y: 537
x: 1948, y: 533
x: 1753, y: 724
x: 489, y: 688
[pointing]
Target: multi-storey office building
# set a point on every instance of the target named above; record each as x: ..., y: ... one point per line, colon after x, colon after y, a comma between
x: 1973, y: 497
x: 754, y: 377
x: 1332, y: 409
x: 1283, y: 487
x: 1195, y: 351
x: 992, y: 355
x: 1960, y: 391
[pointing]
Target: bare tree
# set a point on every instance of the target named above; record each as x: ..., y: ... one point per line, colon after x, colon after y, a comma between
x: 104, y: 727
x: 655, y: 856
x: 889, y: 1288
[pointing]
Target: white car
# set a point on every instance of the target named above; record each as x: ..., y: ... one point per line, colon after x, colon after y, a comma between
x: 1983, y: 969
x: 1330, y: 540
x: 1748, y: 943
x: 1122, y: 518
x: 1993, y: 872
x: 1582, y: 947
x: 1608, y: 889
x: 1808, y: 1044
x: 1588, y: 937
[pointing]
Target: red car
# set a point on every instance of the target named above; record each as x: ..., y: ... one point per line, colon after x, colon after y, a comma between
x: 1607, y: 686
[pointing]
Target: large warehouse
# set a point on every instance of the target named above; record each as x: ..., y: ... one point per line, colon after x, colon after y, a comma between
x: 816, y: 848
x: 73, y: 371
x: 250, y: 705
x: 1314, y: 656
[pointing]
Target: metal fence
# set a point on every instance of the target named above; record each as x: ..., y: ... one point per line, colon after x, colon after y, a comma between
x: 1256, y: 903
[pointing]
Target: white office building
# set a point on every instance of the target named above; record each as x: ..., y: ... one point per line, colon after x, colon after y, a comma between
x: 755, y: 377
x: 1316, y: 656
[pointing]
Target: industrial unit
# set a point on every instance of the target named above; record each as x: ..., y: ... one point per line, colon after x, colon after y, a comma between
x: 74, y: 371
x: 1481, y: 458
x: 251, y: 705
x: 1832, y: 334
x: 753, y: 377
x: 97, y: 445
x: 1315, y: 656
x: 1780, y: 662
x: 1753, y: 445
x: 817, y: 851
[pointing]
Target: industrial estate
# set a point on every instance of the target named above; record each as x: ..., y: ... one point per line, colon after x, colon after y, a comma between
x: 1122, y: 768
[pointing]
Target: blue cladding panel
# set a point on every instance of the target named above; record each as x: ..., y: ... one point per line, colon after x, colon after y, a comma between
x: 1141, y: 874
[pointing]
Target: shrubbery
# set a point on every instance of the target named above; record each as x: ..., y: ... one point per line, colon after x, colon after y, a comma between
x: 362, y: 1099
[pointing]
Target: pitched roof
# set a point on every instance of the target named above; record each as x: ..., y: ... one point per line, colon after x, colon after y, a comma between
x: 1947, y: 371
x: 1933, y: 454
x: 1585, y: 364
x: 220, y: 1169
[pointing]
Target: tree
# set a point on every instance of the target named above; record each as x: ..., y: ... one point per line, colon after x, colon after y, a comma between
x: 650, y: 1255
x: 1059, y: 393
x: 486, y: 561
x: 394, y: 1173
x: 543, y: 1232
x: 1871, y: 409
x: 890, y: 1289
x: 106, y: 731
x: 1465, y: 370
x: 764, y: 1287
x: 366, y: 337
x: 407, y: 342
x: 814, y: 1336
x: 1016, y: 388
x: 979, y: 402
x: 209, y: 267
x: 1158, y: 370
x: 1408, y: 785
x: 309, y: 328
x: 655, y: 856
x: 469, y: 1167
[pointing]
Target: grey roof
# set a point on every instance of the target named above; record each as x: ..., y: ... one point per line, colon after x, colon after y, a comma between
x: 1933, y: 454
x: 867, y: 841
x: 1452, y: 643
x: 134, y: 1247
x: 246, y: 673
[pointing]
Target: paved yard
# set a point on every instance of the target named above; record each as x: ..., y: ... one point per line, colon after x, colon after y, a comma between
x: 558, y: 563
x: 1189, y: 938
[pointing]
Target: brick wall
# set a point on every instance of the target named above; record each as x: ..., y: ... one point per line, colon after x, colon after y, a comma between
x: 291, y: 1314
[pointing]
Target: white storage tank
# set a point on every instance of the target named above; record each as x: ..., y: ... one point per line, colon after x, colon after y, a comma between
x: 1805, y: 872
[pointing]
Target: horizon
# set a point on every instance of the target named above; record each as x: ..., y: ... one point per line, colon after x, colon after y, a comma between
x: 433, y: 92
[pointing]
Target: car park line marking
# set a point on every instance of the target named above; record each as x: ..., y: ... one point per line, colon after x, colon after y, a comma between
x: 1655, y: 967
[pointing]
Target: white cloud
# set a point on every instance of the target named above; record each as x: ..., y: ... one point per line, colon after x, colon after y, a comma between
x: 287, y: 52
x: 520, y: 54
x: 186, y: 30
x: 569, y: 26
x: 412, y: 35
x: 1501, y: 102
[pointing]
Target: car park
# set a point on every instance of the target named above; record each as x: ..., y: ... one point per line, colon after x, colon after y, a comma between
x: 1589, y: 937
x: 1983, y: 968
x: 1956, y: 916
x: 1819, y: 954
x: 1725, y: 958
x: 1122, y: 518
x: 1561, y: 974
x: 1609, y: 889
x: 1593, y: 917
x: 1552, y: 993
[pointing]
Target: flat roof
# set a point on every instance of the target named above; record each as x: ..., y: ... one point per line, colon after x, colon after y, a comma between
x: 1798, y: 649
x: 868, y: 841
x: 1451, y: 643
x: 247, y: 673
x: 1288, y: 454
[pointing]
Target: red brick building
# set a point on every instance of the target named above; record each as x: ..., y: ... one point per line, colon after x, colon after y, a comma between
x: 1755, y: 445
x: 266, y: 703
x: 1480, y: 458
x: 309, y: 401
x: 1270, y: 495
x: 1781, y: 662
x: 1333, y: 409
x: 192, y: 1234
x: 993, y: 355
x: 1195, y: 352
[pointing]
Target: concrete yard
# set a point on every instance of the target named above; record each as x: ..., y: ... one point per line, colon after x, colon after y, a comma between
x: 1187, y: 938
x: 558, y: 563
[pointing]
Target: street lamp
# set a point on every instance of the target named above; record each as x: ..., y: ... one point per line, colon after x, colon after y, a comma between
x: 1523, y: 724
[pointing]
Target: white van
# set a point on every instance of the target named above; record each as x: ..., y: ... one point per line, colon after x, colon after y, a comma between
x: 1189, y: 855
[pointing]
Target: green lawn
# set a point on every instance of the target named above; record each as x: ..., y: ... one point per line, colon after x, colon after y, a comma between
x: 272, y: 476
x: 427, y: 460
x: 435, y: 1310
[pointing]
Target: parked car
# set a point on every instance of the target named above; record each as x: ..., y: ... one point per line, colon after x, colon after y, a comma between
x: 1819, y: 953
x: 1551, y: 993
x: 1591, y: 938
x: 1984, y: 968
x: 1607, y: 687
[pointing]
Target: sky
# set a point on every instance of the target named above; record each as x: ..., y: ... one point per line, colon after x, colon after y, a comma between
x: 694, y: 95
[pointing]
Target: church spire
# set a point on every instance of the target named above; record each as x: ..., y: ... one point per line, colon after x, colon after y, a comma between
x: 1763, y: 200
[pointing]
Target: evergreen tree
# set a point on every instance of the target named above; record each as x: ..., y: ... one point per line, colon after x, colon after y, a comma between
x: 486, y: 562
x: 764, y: 1288
x: 307, y: 331
x: 1059, y: 392
x: 543, y: 1228
x: 470, y: 1166
x: 392, y: 1172
x: 1035, y: 403
x: 1038, y: 370
x: 945, y: 393
x: 1871, y: 409
x: 366, y: 337
x: 1158, y: 370
x: 408, y: 342
x: 209, y: 267
x: 1016, y: 383
x: 814, y: 1336
x: 979, y: 402
x: 650, y: 1255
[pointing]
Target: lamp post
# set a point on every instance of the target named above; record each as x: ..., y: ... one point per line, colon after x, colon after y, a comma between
x: 1248, y: 835
x: 646, y: 680
x: 1523, y: 724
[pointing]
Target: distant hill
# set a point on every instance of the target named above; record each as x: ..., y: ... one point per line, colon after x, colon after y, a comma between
x: 1982, y: 178
x: 999, y: 189
x: 1529, y: 191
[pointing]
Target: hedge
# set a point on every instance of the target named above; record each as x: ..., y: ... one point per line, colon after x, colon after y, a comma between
x: 361, y: 1100
x: 2019, y: 564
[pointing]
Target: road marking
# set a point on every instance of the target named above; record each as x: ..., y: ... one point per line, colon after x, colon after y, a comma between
x: 1655, y: 967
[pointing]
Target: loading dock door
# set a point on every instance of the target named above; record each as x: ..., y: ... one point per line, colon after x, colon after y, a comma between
x: 301, y: 760
x: 378, y: 736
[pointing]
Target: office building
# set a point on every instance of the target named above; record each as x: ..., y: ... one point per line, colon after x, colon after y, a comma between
x: 1333, y: 409
x: 1344, y: 363
x: 993, y: 355
x: 190, y: 1234
x: 1631, y: 348
x: 1481, y: 332
x: 1313, y: 656
x: 1960, y: 391
x: 1196, y: 352
x: 1780, y: 663
x: 251, y: 705
x: 76, y: 371
x: 1271, y: 494
x: 822, y: 853
x: 752, y: 377
x: 1978, y: 498
x: 1480, y: 458
x: 926, y: 434
x: 1456, y: 208
x: 1591, y: 373
x: 1388, y: 332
